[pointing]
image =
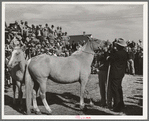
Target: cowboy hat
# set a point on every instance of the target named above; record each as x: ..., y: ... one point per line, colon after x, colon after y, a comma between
x: 121, y: 42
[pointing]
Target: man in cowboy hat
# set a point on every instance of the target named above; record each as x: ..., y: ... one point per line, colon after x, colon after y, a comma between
x: 118, y: 62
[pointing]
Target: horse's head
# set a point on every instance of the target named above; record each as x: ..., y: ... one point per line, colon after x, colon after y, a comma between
x: 97, y: 44
x: 17, y: 56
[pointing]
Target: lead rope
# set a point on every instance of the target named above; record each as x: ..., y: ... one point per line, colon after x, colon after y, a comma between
x: 108, y: 73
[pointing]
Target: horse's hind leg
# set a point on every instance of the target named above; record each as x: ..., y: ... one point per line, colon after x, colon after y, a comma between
x: 83, y: 83
x: 43, y: 95
x: 19, y: 84
x: 14, y: 91
x: 36, y: 109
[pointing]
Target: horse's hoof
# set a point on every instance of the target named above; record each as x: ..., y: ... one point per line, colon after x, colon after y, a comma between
x: 20, y: 109
x: 28, y: 113
x: 91, y: 104
x: 85, y: 109
x: 81, y: 107
x: 38, y: 113
x: 49, y: 113
x: 32, y: 110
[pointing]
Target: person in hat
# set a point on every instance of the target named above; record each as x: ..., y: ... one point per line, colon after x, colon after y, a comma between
x: 118, y: 62
x: 140, y: 44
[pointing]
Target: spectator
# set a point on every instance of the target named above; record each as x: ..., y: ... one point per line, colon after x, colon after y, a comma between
x: 33, y: 29
x: 130, y: 62
x: 140, y: 61
x: 65, y: 34
x: 140, y: 44
x: 39, y: 33
x: 52, y: 30
x: 74, y: 46
x: 8, y: 36
x: 26, y: 30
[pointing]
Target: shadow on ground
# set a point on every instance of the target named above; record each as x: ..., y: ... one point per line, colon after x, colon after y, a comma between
x: 139, y: 81
x: 9, y: 101
x: 133, y: 110
x: 71, y: 101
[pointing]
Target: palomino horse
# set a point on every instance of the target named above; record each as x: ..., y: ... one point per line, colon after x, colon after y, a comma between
x: 64, y: 70
x: 17, y: 65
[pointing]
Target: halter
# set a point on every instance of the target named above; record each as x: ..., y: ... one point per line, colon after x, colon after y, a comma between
x: 18, y: 61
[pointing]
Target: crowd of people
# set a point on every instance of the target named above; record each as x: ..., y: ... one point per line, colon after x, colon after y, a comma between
x: 37, y: 40
x: 53, y: 41
x: 134, y: 53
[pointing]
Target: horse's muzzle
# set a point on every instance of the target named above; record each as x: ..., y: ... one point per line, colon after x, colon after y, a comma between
x: 9, y: 66
x: 12, y: 65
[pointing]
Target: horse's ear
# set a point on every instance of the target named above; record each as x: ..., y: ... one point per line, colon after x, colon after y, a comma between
x: 89, y: 38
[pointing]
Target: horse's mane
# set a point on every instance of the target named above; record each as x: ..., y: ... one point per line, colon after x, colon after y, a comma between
x: 17, y: 48
x: 79, y: 50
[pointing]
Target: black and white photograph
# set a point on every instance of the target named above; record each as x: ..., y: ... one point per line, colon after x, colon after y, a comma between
x: 74, y: 60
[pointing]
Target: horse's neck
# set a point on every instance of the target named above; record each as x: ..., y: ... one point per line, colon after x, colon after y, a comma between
x: 87, y: 48
x: 22, y: 65
x: 88, y: 53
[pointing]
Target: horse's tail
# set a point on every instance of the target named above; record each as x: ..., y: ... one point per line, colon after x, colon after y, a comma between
x: 28, y: 89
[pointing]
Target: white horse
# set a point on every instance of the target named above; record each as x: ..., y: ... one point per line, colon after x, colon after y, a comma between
x: 17, y: 65
x: 64, y: 70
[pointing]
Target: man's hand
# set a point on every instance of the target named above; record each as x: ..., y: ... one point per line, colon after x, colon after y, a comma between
x: 107, y: 57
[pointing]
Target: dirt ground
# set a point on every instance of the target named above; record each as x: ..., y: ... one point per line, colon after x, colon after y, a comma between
x: 63, y: 98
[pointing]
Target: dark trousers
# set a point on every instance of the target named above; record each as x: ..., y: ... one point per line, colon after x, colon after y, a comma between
x: 116, y: 92
x: 131, y: 69
x: 102, y: 76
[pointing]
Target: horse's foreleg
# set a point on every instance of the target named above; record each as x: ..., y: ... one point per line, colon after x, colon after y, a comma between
x: 82, y: 89
x: 43, y: 95
x: 14, y: 91
x: 88, y: 96
x: 36, y: 109
x: 19, y: 85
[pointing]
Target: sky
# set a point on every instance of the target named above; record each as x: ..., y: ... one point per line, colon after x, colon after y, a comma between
x: 103, y: 21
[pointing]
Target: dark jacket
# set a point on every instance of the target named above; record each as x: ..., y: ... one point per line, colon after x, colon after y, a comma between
x: 131, y: 55
x: 118, y: 62
x: 103, y: 62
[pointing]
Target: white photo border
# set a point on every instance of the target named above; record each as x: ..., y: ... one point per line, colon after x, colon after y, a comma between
x: 62, y: 117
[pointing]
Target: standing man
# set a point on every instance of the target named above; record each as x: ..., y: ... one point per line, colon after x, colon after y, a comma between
x: 102, y: 75
x: 118, y: 61
x: 130, y: 62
